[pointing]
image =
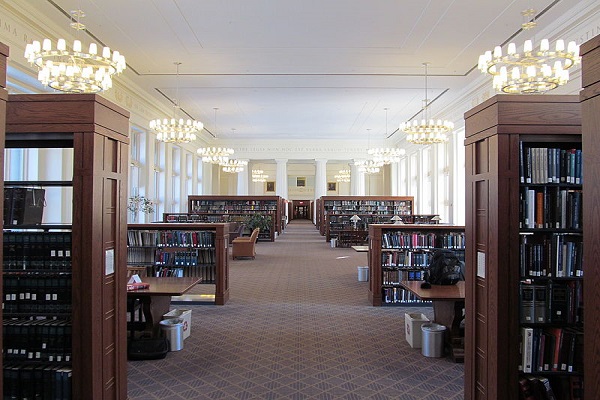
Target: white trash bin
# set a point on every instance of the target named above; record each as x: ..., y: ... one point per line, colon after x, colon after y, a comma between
x: 363, y: 274
x: 433, y: 340
x: 412, y: 328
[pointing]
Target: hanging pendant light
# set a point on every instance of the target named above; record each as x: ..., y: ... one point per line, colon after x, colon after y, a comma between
x: 427, y: 130
x: 174, y: 129
x: 386, y: 155
x: 215, y: 155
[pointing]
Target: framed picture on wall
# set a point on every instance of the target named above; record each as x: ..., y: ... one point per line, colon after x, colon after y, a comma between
x: 331, y: 186
x: 270, y: 186
x: 301, y: 181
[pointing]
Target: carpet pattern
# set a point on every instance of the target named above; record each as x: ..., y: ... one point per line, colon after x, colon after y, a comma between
x: 298, y: 325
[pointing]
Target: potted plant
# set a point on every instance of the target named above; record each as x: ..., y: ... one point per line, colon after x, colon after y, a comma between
x: 139, y: 203
x: 258, y: 220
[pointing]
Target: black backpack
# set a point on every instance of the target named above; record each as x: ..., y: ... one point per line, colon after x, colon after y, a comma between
x: 445, y: 268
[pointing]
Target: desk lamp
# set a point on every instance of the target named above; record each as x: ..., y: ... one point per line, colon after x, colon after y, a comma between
x: 355, y: 218
x: 397, y: 220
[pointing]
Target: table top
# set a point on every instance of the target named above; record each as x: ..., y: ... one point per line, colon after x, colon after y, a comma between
x: 361, y: 248
x: 167, y: 286
x: 436, y: 292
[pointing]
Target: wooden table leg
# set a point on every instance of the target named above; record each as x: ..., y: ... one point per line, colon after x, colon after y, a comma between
x: 450, y: 314
x: 154, y: 308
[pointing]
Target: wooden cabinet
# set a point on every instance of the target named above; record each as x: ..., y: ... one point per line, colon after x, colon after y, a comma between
x: 182, y: 250
x: 590, y: 124
x: 97, y: 132
x: 238, y: 209
x: 496, y: 131
x: 336, y: 212
x: 401, y: 253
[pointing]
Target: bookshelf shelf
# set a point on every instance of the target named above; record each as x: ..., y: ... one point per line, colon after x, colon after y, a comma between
x: 76, y: 283
x: 401, y: 253
x: 183, y: 249
x: 520, y: 216
x: 235, y: 209
x: 335, y: 212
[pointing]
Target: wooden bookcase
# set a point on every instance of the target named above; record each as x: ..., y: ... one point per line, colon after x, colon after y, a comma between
x: 336, y: 211
x: 402, y: 252
x: 4, y: 52
x: 590, y: 124
x: 97, y: 131
x: 237, y: 208
x: 495, y: 132
x: 183, y: 249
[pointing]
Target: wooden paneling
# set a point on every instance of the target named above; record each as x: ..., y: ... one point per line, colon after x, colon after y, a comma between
x: 3, y: 99
x: 493, y: 131
x: 98, y: 133
x: 590, y: 108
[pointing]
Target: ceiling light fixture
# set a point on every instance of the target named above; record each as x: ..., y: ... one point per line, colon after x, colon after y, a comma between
x: 343, y: 176
x: 74, y: 71
x: 369, y: 166
x: 215, y: 155
x: 176, y: 130
x: 234, y: 166
x: 259, y: 176
x: 531, y: 71
x: 427, y: 130
x: 386, y: 155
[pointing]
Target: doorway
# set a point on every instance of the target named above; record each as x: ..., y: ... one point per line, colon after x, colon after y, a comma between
x: 301, y: 209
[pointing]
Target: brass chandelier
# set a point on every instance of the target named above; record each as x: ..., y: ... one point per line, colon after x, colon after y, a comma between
x: 74, y: 70
x: 174, y: 129
x: 427, y: 130
x: 386, y: 155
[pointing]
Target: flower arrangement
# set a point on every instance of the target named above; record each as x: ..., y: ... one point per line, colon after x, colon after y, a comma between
x: 140, y: 203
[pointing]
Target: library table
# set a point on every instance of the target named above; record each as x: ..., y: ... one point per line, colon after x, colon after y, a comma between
x: 156, y: 300
x: 448, y: 304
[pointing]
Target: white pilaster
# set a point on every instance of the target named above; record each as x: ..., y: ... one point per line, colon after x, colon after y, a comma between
x: 242, y: 180
x: 394, y: 179
x: 281, y: 179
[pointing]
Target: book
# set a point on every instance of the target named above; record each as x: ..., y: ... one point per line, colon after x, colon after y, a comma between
x: 137, y: 286
x: 527, y: 303
x: 527, y: 349
x: 540, y: 303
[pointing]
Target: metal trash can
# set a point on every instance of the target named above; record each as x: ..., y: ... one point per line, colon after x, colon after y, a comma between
x: 432, y: 340
x: 363, y: 274
x: 172, y: 329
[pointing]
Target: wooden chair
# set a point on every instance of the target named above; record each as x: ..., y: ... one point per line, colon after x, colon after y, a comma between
x: 244, y: 246
x: 134, y: 306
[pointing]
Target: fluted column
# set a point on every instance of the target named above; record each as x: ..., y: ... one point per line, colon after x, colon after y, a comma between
x: 242, y: 181
x: 281, y: 180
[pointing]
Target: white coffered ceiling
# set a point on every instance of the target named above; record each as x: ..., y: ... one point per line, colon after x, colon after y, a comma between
x: 302, y: 69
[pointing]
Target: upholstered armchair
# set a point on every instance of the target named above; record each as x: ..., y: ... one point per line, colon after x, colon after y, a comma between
x: 244, y: 246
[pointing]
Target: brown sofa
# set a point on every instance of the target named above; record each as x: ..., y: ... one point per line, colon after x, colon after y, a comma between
x: 244, y: 246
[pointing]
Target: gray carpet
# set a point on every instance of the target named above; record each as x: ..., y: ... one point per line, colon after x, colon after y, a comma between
x: 298, y: 325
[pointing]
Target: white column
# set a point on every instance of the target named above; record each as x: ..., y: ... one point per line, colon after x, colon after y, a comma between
x: 242, y: 180
x: 281, y: 178
x: 320, y: 181
x: 207, y: 178
x: 357, y: 181
x: 394, y: 179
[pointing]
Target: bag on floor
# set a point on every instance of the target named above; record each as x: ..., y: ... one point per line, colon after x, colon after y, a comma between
x: 147, y: 349
x: 445, y: 268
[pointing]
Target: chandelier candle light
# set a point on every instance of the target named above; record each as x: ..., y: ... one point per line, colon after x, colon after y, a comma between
x: 427, y: 130
x: 532, y: 71
x: 386, y: 155
x: 176, y: 130
x: 215, y: 155
x: 343, y: 176
x: 234, y: 166
x: 74, y: 71
x: 259, y: 176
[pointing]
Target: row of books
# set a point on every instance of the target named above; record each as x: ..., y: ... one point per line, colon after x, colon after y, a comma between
x: 239, y: 202
x: 399, y: 295
x: 551, y: 350
x: 395, y: 276
x: 387, y: 203
x: 557, y: 255
x: 171, y: 238
x: 541, y: 165
x: 235, y: 208
x: 185, y: 258
x: 208, y: 273
x: 140, y: 255
x: 535, y: 387
x: 24, y: 205
x: 550, y: 207
x: 35, y: 251
x: 36, y: 309
x: 416, y: 240
x: 45, y: 340
x: 406, y: 259
x: 553, y: 302
x: 37, y: 381
x: 35, y: 288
